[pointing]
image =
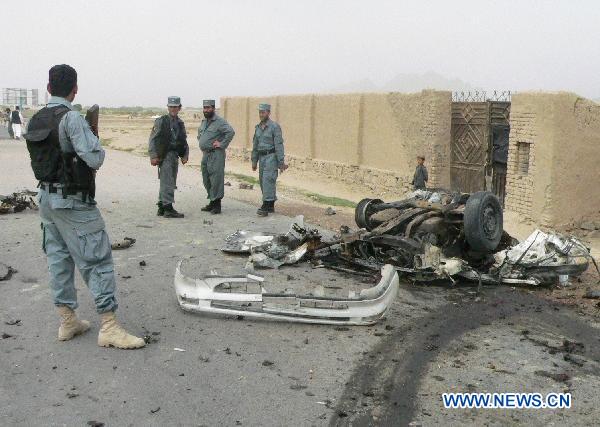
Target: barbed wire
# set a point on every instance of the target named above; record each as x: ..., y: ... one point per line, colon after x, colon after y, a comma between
x: 482, y: 96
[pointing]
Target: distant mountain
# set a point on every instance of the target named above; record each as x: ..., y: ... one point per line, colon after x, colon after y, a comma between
x: 407, y: 83
x: 364, y: 85
x: 430, y: 80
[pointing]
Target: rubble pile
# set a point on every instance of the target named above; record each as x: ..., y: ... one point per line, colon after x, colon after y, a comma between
x: 18, y: 202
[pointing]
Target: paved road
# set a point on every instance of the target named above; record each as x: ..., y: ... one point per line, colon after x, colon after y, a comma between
x: 435, y: 339
x: 4, y: 132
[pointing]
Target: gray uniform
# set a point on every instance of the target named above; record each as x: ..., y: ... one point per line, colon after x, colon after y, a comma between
x: 74, y: 233
x: 268, y: 153
x: 169, y: 165
x: 420, y: 178
x: 213, y: 159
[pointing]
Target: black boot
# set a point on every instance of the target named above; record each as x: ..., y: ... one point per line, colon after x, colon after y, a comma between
x: 271, y: 206
x: 216, y: 209
x: 170, y: 212
x: 263, y: 210
x: 161, y: 209
x: 208, y: 207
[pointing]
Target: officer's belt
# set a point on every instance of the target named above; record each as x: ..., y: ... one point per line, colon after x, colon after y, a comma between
x: 52, y: 187
x: 266, y: 152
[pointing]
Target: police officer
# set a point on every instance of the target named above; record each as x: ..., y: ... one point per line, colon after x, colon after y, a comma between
x: 268, y: 155
x: 168, y: 143
x: 214, y: 136
x: 65, y: 156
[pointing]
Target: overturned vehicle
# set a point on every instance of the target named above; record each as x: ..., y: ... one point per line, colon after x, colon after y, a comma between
x: 435, y: 235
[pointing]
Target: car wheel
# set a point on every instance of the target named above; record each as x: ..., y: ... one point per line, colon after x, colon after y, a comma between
x: 363, y: 212
x: 483, y: 221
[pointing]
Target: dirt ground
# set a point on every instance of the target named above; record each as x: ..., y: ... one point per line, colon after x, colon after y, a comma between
x: 435, y: 339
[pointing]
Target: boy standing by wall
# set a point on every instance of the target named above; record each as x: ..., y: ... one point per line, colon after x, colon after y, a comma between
x: 420, y: 178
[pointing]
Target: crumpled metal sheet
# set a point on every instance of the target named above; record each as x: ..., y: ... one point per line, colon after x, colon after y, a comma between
x: 541, y: 258
x: 272, y: 250
x: 242, y: 241
x: 245, y: 296
x: 541, y: 249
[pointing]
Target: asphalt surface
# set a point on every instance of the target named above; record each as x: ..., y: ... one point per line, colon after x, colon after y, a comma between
x: 242, y: 372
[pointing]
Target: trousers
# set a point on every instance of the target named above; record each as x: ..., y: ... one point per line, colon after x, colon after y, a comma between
x: 74, y: 234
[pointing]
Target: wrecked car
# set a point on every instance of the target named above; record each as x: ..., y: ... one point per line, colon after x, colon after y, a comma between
x: 468, y: 227
x: 445, y: 235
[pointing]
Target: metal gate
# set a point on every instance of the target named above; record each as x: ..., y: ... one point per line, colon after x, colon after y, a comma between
x: 470, y: 145
x: 479, y: 145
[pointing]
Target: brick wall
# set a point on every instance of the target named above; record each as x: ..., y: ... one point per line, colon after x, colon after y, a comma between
x: 520, y: 186
x: 562, y: 184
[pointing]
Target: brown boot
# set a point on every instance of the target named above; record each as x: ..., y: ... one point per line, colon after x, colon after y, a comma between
x: 113, y: 335
x: 70, y: 325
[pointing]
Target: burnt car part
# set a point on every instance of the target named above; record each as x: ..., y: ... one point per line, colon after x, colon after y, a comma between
x: 245, y: 295
x: 543, y: 257
x: 274, y: 250
x: 18, y: 202
x: 478, y: 216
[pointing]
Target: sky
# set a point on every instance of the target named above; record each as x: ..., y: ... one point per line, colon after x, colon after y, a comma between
x: 140, y: 52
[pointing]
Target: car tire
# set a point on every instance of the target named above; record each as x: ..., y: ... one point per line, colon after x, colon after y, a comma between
x: 363, y: 212
x: 483, y: 221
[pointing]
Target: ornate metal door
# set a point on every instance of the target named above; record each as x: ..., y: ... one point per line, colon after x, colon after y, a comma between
x: 470, y: 145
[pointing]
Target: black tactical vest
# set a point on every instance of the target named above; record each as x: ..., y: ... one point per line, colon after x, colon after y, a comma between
x: 15, y: 117
x: 48, y: 161
x: 166, y: 142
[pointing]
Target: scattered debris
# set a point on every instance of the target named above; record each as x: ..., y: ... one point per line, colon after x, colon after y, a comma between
x: 6, y: 272
x: 151, y: 338
x: 127, y: 242
x: 592, y: 294
x: 18, y: 202
x: 246, y: 186
x: 558, y: 377
x: 298, y: 387
x: 72, y: 395
x: 330, y: 211
x: 272, y: 251
x: 431, y: 236
x: 207, y: 222
x: 227, y: 184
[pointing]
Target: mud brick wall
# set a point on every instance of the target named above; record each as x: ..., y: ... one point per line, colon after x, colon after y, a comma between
x: 562, y: 183
x: 366, y: 138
